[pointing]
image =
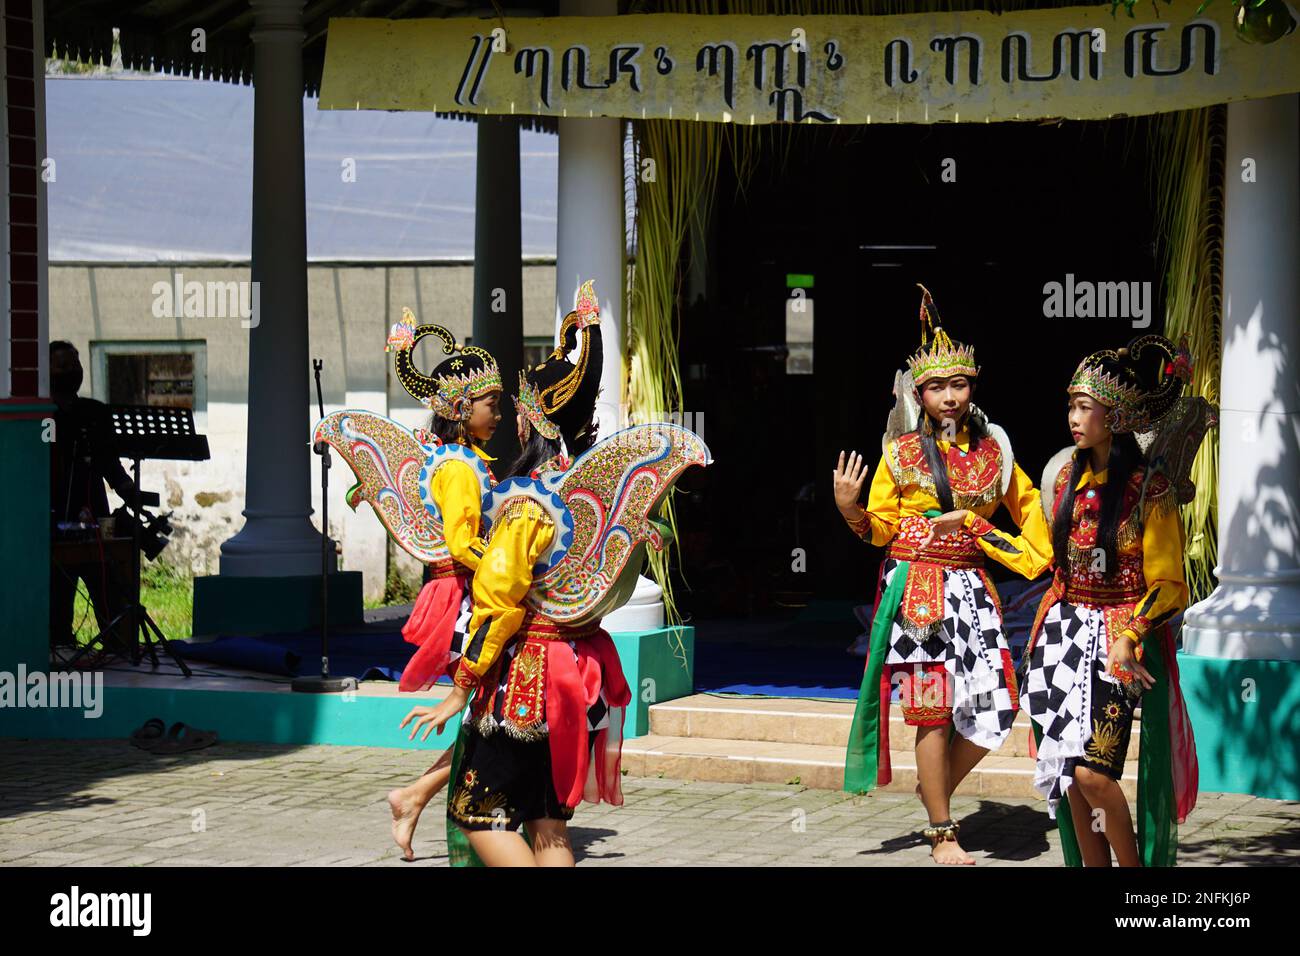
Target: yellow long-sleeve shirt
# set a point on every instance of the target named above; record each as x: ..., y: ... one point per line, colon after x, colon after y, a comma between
x: 889, y: 503
x: 456, y: 491
x: 522, y: 534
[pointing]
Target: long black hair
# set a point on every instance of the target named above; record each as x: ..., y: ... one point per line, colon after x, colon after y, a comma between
x: 1125, y: 457
x: 449, y: 431
x: 536, y: 451
x: 926, y: 428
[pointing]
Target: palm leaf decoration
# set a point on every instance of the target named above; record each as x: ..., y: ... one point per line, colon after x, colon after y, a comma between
x: 1189, y: 230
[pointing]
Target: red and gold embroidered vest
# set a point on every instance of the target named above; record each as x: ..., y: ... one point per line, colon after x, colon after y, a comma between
x: 975, y: 477
x: 1084, y: 580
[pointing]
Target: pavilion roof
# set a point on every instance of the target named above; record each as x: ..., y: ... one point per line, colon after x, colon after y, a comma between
x: 156, y: 35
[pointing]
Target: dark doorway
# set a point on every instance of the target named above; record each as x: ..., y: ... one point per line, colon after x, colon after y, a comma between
x: 861, y: 215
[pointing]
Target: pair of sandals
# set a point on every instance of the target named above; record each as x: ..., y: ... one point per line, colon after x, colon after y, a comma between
x: 155, y: 737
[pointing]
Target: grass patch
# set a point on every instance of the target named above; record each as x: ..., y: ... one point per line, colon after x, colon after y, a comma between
x: 165, y: 591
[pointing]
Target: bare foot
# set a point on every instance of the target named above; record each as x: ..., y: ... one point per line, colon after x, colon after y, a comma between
x: 949, y: 852
x: 405, y: 814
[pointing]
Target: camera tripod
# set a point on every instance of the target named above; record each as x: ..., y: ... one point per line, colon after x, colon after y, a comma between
x: 145, y: 634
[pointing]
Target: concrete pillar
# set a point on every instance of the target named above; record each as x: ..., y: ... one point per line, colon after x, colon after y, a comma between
x: 278, y: 538
x: 498, y: 267
x: 1254, y: 613
x: 591, y: 244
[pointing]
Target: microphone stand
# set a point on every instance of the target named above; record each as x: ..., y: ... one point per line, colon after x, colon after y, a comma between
x: 324, y: 684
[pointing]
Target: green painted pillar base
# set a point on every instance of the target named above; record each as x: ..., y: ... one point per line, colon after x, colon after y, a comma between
x: 25, y: 433
x: 659, y: 665
x: 1246, y: 717
x: 232, y: 605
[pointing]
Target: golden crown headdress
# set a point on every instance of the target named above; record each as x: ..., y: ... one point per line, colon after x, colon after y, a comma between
x: 529, y: 401
x: 450, y: 391
x: 1114, y: 377
x: 938, y: 356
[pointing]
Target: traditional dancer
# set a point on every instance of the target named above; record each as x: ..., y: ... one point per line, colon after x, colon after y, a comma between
x: 937, y: 629
x: 1102, y: 639
x: 463, y: 393
x: 565, y: 543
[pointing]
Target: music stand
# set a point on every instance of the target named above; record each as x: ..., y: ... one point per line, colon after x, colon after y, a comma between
x: 148, y: 432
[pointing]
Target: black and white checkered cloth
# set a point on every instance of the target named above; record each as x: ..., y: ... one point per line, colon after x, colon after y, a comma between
x: 460, y: 632
x: 969, y: 642
x: 1071, y: 647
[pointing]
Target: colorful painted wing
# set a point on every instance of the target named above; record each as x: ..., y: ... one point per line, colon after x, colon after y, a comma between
x: 1171, y: 446
x: 391, y: 467
x: 1047, y: 487
x: 606, y: 510
x: 905, y: 413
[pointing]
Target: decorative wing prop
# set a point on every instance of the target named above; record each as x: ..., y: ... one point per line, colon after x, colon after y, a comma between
x: 606, y: 510
x: 905, y: 413
x: 1047, y: 487
x: 1004, y: 443
x: 393, y: 467
x: 1171, y: 446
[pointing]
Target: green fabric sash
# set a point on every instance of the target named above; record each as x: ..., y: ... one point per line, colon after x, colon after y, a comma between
x: 1156, y: 813
x: 862, y: 760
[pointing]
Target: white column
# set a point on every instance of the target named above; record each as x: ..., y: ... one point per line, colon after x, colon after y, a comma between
x: 1254, y: 613
x: 591, y: 244
x: 590, y: 237
x: 278, y: 538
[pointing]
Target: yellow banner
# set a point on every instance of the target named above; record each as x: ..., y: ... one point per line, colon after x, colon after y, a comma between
x: 1073, y: 62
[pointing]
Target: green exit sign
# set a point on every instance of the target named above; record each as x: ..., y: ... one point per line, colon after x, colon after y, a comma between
x: 795, y: 280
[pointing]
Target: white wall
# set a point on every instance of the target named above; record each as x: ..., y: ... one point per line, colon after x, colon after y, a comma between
x: 351, y: 308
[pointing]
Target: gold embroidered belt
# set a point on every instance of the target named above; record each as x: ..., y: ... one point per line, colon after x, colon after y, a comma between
x: 541, y: 629
x: 449, y: 568
x: 947, y: 557
x: 1101, y: 596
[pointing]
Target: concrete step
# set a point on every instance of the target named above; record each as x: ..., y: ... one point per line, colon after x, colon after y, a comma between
x: 818, y: 766
x: 794, y: 721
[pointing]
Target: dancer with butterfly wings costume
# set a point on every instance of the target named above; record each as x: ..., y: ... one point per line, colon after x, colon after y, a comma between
x: 565, y: 543
x: 427, y: 488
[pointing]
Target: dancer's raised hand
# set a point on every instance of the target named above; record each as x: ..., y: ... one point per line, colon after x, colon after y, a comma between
x: 849, y: 474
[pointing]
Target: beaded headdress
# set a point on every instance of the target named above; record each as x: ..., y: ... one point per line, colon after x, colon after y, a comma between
x: 938, y: 356
x: 558, y: 396
x: 1121, y: 380
x: 450, y: 391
